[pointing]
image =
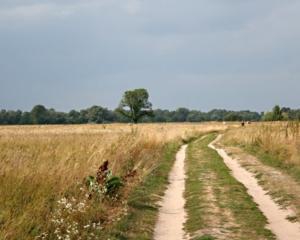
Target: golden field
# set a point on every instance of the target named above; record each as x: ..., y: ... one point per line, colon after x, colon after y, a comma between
x: 39, y: 165
x: 281, y: 140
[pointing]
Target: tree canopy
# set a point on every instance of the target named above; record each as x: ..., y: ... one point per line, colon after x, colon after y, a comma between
x: 135, y: 104
x: 276, y: 114
x: 97, y: 114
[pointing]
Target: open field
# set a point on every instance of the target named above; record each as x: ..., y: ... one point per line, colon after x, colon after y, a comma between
x: 55, y: 185
x: 149, y: 120
x: 277, y: 144
x: 43, y: 164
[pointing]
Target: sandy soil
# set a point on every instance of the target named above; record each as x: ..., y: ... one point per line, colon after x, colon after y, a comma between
x: 278, y: 224
x: 287, y: 190
x: 172, y: 215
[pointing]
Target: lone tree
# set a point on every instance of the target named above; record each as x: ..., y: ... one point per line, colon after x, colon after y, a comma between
x: 135, y: 105
x: 277, y: 113
x: 39, y: 114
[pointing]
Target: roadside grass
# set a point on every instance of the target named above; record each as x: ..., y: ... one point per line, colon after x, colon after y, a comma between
x: 217, y: 204
x: 204, y: 237
x: 273, y: 160
x: 142, y: 202
x: 39, y: 171
x: 275, y: 144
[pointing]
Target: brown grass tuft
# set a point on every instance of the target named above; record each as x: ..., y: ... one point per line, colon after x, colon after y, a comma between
x: 279, y: 139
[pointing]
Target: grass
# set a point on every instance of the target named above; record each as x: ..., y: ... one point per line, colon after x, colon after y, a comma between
x: 204, y: 237
x: 274, y: 160
x: 275, y: 144
x: 217, y: 204
x: 143, y: 200
x: 40, y: 165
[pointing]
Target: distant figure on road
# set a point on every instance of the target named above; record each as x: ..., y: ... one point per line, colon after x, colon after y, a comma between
x: 243, y: 124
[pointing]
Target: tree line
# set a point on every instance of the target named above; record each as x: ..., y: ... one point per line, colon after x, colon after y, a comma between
x: 97, y: 114
x: 135, y: 107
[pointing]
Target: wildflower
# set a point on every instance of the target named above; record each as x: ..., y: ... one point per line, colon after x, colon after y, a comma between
x: 81, y: 206
x: 69, y: 205
x: 62, y: 201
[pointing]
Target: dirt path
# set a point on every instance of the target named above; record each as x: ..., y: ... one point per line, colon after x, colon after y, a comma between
x: 172, y: 214
x: 279, y: 225
x: 287, y: 191
x: 218, y: 206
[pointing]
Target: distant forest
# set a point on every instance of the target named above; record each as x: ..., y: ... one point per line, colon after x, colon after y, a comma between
x: 97, y: 114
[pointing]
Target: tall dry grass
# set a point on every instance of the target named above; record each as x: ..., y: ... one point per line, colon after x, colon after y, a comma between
x: 41, y: 164
x: 278, y: 139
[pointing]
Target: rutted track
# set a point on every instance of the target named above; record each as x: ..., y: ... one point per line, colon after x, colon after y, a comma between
x: 277, y: 217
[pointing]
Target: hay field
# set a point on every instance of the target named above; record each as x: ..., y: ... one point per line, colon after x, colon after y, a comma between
x: 280, y: 140
x: 41, y: 165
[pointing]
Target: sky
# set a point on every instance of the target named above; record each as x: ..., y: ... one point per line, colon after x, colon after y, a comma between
x: 199, y: 54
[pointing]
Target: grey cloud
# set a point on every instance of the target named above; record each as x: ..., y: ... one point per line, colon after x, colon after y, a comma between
x: 200, y: 54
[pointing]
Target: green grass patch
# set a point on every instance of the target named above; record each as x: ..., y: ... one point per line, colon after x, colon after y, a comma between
x: 205, y: 167
x: 204, y: 237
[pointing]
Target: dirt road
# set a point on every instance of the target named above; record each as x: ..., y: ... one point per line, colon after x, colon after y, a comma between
x: 172, y: 213
x: 277, y: 217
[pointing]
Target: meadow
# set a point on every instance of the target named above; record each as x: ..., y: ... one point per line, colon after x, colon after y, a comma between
x: 275, y: 143
x: 97, y: 181
x: 50, y: 175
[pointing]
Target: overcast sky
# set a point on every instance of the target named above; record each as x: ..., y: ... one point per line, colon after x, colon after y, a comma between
x: 200, y: 54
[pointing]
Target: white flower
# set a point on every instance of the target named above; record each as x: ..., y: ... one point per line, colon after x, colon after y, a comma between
x: 81, y: 206
x: 62, y: 201
x: 69, y: 205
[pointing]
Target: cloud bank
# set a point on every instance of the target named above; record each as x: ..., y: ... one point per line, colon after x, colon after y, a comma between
x: 200, y: 54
